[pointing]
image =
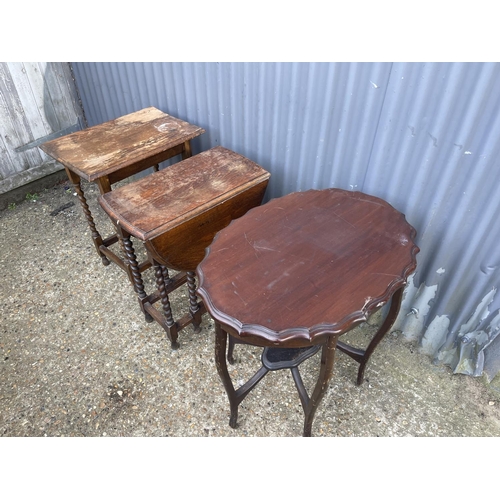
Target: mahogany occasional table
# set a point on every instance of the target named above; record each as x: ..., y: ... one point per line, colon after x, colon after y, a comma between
x: 115, y: 150
x: 176, y: 213
x: 295, y: 274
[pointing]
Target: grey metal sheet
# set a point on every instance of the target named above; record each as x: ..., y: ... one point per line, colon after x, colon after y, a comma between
x: 424, y: 136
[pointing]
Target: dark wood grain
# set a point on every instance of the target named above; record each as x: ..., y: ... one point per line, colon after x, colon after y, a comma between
x: 299, y: 272
x: 138, y: 139
x: 306, y: 266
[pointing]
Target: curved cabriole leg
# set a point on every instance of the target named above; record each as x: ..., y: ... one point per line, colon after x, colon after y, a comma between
x: 194, y: 309
x: 165, y: 302
x: 325, y: 373
x: 230, y: 350
x: 220, y: 363
x: 235, y: 396
x: 386, y: 325
x: 362, y: 356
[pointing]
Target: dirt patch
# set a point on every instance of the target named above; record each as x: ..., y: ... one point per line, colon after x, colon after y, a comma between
x: 78, y: 359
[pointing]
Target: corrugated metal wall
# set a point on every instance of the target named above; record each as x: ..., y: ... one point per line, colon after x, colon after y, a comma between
x: 38, y: 101
x: 424, y: 137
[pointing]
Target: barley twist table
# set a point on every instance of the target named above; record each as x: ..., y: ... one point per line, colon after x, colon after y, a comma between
x: 115, y: 150
x: 176, y: 213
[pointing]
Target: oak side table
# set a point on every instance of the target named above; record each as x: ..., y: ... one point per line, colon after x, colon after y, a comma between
x: 295, y: 274
x: 115, y: 150
x: 176, y: 213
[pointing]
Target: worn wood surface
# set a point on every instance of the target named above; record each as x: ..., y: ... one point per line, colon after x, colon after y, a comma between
x: 145, y: 136
x: 306, y: 266
x: 178, y: 210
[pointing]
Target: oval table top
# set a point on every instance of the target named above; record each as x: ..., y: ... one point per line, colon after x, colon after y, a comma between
x: 306, y: 265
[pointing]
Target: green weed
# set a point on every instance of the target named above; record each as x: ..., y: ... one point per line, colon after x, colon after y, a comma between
x: 32, y: 197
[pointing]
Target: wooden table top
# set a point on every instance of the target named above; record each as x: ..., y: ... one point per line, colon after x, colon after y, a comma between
x: 306, y: 265
x: 164, y: 200
x: 103, y: 149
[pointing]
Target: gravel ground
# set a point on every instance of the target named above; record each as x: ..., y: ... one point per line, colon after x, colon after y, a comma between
x: 78, y: 359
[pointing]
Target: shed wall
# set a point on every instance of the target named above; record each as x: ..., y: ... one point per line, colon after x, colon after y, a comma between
x: 38, y: 101
x: 423, y: 136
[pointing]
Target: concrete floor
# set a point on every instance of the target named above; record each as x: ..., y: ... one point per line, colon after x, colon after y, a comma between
x: 78, y: 359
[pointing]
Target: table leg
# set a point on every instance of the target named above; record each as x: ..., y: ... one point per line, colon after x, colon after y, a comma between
x: 325, y: 373
x: 104, y: 184
x: 194, y: 308
x: 235, y: 396
x: 362, y: 356
x: 230, y: 351
x: 186, y: 153
x: 96, y: 237
x: 309, y: 404
x: 133, y: 269
x: 171, y: 326
x: 166, y: 274
x: 220, y: 363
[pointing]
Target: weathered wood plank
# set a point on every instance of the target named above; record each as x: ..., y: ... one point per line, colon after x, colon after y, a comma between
x: 36, y: 99
x: 29, y: 85
x: 13, y: 133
